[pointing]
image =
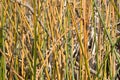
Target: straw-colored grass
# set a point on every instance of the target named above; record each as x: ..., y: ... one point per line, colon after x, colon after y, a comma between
x: 59, y: 40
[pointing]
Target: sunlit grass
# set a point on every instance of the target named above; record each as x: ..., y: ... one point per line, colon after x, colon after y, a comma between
x: 58, y: 39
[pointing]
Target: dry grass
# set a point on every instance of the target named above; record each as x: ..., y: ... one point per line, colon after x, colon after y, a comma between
x: 59, y: 39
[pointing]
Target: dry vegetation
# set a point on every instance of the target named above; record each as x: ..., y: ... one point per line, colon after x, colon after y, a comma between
x: 59, y: 39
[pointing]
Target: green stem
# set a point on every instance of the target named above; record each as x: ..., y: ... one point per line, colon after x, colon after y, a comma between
x: 35, y: 40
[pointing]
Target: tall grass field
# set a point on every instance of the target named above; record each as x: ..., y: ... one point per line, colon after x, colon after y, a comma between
x: 59, y: 39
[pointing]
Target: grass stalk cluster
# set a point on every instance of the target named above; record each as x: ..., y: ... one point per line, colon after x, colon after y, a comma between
x: 59, y: 39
